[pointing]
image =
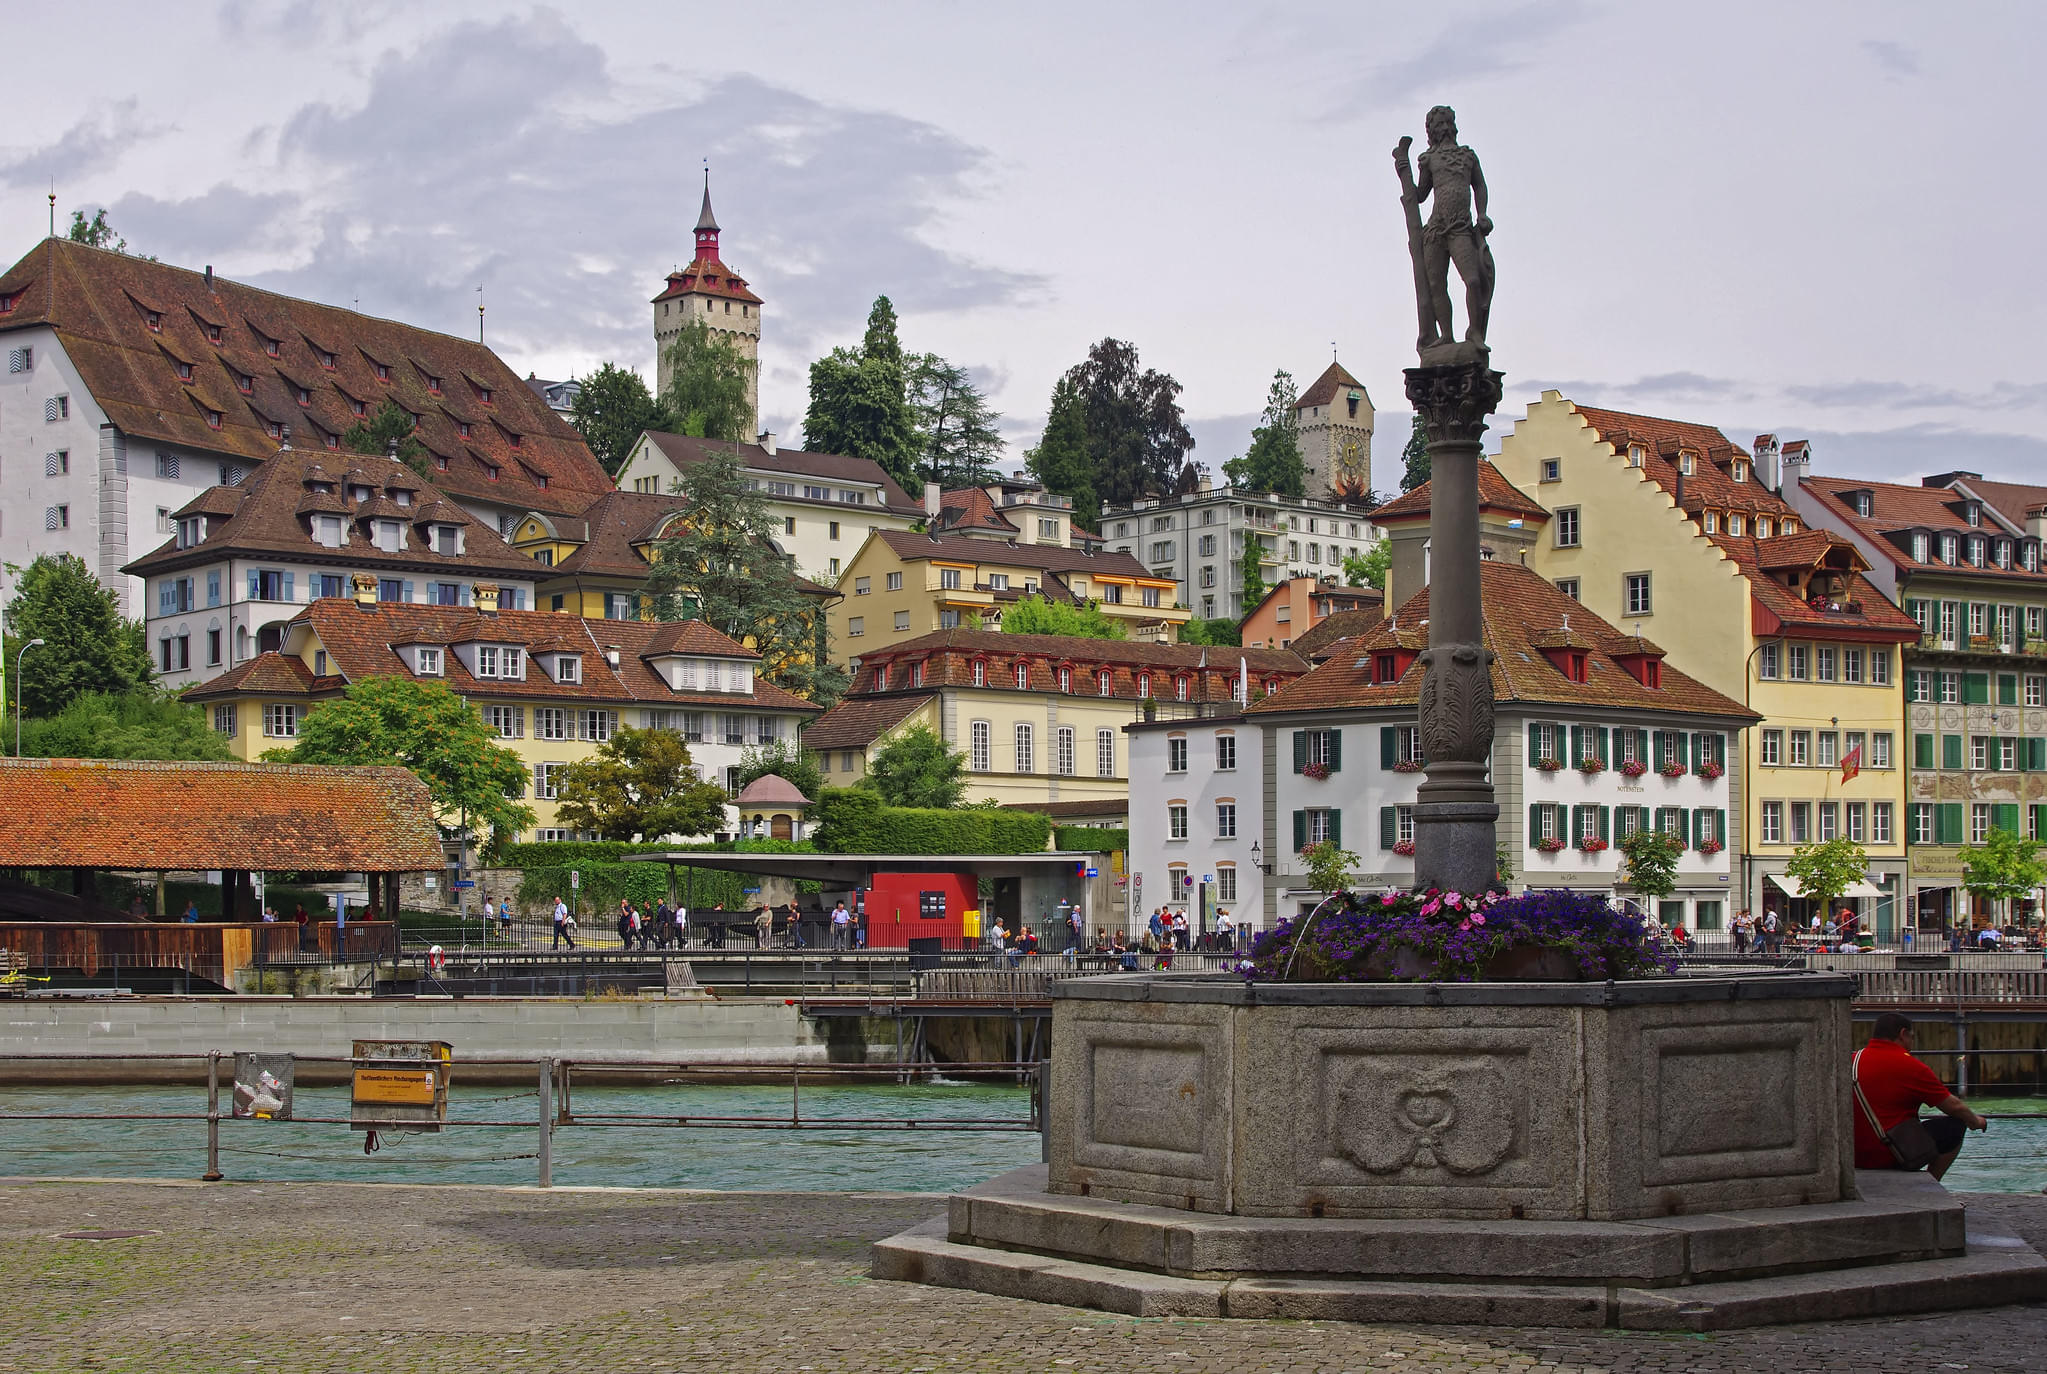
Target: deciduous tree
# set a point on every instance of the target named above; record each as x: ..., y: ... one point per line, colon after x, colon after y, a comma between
x: 142, y: 724
x: 1368, y: 569
x: 786, y: 759
x: 707, y: 382
x: 859, y: 402
x: 612, y: 409
x: 1251, y: 571
x: 1034, y: 615
x: 1136, y: 439
x: 917, y: 768
x: 1273, y: 462
x: 87, y: 645
x: 1329, y: 866
x: 639, y: 785
x: 1652, y: 857
x: 1828, y: 868
x: 1220, y: 631
x: 2006, y: 867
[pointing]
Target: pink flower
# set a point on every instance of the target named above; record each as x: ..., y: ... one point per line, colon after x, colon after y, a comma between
x: 1431, y: 908
x: 1453, y: 899
x: 1388, y: 899
x: 1465, y: 925
x: 1475, y: 920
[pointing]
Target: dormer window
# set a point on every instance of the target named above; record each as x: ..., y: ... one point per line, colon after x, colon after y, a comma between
x: 213, y: 334
x: 917, y: 674
x: 427, y: 662
x: 517, y: 440
x: 568, y: 668
x: 447, y: 540
x: 327, y: 531
x: 401, y: 496
x: 485, y: 394
x: 1740, y: 471
x: 1762, y: 527
x: 440, y: 462
x: 7, y: 300
x: 881, y: 678
x: 273, y: 429
x: 1635, y: 455
x: 1387, y: 669
x: 540, y: 480
x: 390, y: 535
x: 1023, y: 677
x: 1734, y: 523
x: 1712, y: 519
x: 1684, y: 463
x: 1789, y: 526
x: 326, y: 360
x: 1144, y: 684
x: 213, y: 419
x: 1105, y: 683
x: 462, y: 428
x: 490, y: 470
x: 1863, y: 502
x: 184, y: 372
x: 514, y: 665
x: 2029, y: 556
x: 191, y: 531
x: 486, y: 660
x: 1950, y: 549
x: 433, y: 386
x: 1065, y: 680
x: 359, y: 409
x: 153, y: 320
x: 333, y: 440
x: 1976, y: 542
x: 360, y: 493
x: 244, y: 383
x: 1972, y: 513
x: 1182, y: 686
x: 980, y: 672
x: 302, y: 396
x: 1921, y: 547
x: 2004, y: 553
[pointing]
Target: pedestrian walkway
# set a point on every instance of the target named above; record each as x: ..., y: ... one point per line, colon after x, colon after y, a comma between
x: 335, y: 1277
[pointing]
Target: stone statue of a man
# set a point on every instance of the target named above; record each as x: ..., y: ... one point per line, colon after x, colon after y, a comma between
x: 1456, y: 230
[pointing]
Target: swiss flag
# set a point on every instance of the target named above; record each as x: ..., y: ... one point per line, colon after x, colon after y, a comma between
x: 1851, y: 763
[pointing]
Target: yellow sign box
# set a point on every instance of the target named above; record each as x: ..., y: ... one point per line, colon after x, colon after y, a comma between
x: 395, y: 1087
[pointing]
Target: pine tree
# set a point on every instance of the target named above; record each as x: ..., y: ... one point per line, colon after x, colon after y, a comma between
x: 1415, y: 456
x: 1273, y: 462
x: 859, y: 402
x: 391, y: 424
x: 957, y: 442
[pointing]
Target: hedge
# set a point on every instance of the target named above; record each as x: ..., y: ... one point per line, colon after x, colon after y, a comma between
x: 550, y: 853
x: 1095, y: 839
x: 604, y: 884
x: 853, y: 820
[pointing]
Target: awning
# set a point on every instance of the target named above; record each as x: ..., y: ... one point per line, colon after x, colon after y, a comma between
x: 1792, y: 887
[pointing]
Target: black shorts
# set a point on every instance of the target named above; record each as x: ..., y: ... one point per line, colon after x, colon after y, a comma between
x: 1947, y: 1132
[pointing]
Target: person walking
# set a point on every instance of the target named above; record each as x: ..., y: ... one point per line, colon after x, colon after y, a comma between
x: 561, y: 925
x: 842, y: 921
x: 1225, y: 931
x: 763, y: 926
x: 490, y: 915
x: 1890, y: 1085
x: 1742, y: 926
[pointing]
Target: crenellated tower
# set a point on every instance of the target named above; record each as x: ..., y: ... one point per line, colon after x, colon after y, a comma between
x: 707, y: 290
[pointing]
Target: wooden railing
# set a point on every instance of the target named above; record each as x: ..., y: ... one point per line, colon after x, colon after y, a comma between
x: 1953, y: 987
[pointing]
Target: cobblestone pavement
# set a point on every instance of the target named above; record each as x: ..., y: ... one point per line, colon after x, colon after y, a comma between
x: 374, y: 1278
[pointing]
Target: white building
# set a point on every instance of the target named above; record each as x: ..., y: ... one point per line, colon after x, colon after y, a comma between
x: 1195, y: 832
x: 1198, y: 541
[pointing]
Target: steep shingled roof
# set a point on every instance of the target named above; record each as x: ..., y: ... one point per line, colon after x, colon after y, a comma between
x: 947, y: 657
x: 123, y: 813
x: 1334, y: 628
x: 1520, y: 608
x: 685, y: 449
x: 1495, y: 492
x: 1335, y: 378
x: 1897, y: 510
x: 913, y: 547
x: 1865, y: 612
x: 858, y: 722
x: 1710, y: 483
x: 268, y: 348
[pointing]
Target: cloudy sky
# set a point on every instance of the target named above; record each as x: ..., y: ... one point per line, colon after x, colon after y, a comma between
x: 1813, y: 219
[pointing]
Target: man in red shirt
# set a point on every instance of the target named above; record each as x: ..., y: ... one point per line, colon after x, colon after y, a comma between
x: 1896, y: 1084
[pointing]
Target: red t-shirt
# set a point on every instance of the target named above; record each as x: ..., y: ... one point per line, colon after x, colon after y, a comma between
x: 1896, y: 1085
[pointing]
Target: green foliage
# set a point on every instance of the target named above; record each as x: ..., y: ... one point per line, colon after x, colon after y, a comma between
x: 1652, y: 857
x: 392, y: 422
x: 1133, y: 439
x: 612, y: 409
x: 720, y: 565
x: 1368, y: 569
x: 96, y: 232
x: 957, y: 441
x: 786, y: 759
x: 639, y: 783
x: 1061, y: 458
x: 859, y: 402
x: 1827, y: 869
x: 569, y: 853
x: 1095, y: 839
x: 605, y: 879
x: 423, y: 726
x: 1034, y: 615
x: 1415, y: 456
x: 1251, y: 571
x: 854, y: 820
x: 1329, y: 866
x: 87, y: 646
x: 1503, y: 864
x: 1273, y: 462
x: 1218, y: 632
x: 707, y: 381
x: 2004, y: 867
x: 132, y: 725
x: 916, y: 768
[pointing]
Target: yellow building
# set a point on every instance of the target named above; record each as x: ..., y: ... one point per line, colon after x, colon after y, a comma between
x: 1039, y: 717
x: 554, y: 687
x: 1665, y: 528
x: 901, y: 586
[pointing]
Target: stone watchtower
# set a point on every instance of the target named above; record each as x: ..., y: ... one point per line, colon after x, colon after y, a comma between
x: 707, y: 290
x: 1335, y: 419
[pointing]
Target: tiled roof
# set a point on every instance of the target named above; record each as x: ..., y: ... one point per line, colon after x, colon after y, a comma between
x: 913, y: 547
x: 976, y: 511
x: 948, y: 656
x: 707, y: 277
x: 272, y: 675
x: 363, y: 641
x: 1324, y: 389
x: 1336, y: 626
x: 99, y: 302
x: 1897, y: 510
x: 683, y: 450
x: 1710, y: 482
x: 269, y: 515
x: 1495, y: 492
x: 120, y: 813
x: 1872, y: 616
x: 2014, y: 501
x: 1520, y: 607
x: 859, y: 721
x: 771, y: 789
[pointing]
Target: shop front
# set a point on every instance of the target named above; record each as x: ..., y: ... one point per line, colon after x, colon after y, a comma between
x: 1878, y: 902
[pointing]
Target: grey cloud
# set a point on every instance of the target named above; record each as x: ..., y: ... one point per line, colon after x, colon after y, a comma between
x: 86, y: 147
x: 1915, y: 396
x: 216, y: 227
x: 1910, y: 452
x: 1657, y: 388
x: 1897, y: 61
x: 1465, y: 50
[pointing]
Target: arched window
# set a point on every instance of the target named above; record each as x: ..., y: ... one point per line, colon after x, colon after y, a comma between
x: 1182, y: 686
x: 1026, y: 752
x: 977, y: 753
x: 1105, y: 682
x: 980, y: 672
x: 1023, y: 677
x: 1065, y: 679
x: 1144, y: 684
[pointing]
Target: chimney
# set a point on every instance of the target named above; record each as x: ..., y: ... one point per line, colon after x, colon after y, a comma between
x: 365, y: 588
x: 391, y: 450
x: 1797, y: 462
x: 1765, y: 463
x: 767, y: 442
x: 209, y: 276
x: 931, y: 499
x: 284, y: 436
x: 485, y: 598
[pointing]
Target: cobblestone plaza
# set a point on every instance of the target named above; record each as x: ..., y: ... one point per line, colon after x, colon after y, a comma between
x: 321, y: 1277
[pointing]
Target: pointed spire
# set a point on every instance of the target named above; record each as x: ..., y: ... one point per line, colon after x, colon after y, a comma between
x: 707, y: 220
x: 707, y: 224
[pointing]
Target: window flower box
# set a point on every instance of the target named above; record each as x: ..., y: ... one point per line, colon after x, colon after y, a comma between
x: 1317, y: 771
x: 1673, y: 769
x: 1589, y: 766
x: 1709, y: 770
x: 1549, y: 765
x: 1633, y: 768
x: 1552, y: 845
x: 1404, y: 848
x: 1710, y: 846
x: 1408, y: 766
x: 1591, y: 844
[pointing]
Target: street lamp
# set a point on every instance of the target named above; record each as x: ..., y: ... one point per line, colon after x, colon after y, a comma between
x: 32, y: 644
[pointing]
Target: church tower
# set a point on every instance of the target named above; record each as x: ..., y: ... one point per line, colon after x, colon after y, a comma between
x: 1334, y: 417
x: 709, y: 291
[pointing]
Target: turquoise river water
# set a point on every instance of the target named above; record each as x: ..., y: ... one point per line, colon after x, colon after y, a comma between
x: 2011, y: 1157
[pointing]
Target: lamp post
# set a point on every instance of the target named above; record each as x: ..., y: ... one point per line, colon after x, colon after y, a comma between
x: 32, y: 644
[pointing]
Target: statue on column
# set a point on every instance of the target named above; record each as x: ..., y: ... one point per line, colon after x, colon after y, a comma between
x: 1455, y: 233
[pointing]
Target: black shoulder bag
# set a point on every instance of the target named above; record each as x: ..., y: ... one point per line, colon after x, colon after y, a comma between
x: 1912, y: 1145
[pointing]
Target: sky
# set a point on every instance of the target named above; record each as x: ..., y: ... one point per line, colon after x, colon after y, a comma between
x: 1803, y: 219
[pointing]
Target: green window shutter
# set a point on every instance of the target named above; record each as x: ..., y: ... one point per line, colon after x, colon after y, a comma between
x: 1336, y: 827
x: 2007, y: 689
x: 2040, y: 821
x: 1577, y: 745
x: 1534, y: 823
x: 1948, y: 827
x: 1950, y: 751
x: 2005, y: 816
x: 1389, y: 830
x: 1605, y: 744
x: 1995, y: 755
x: 1655, y: 759
x: 1577, y: 815
x: 1702, y: 824
x: 1534, y: 742
x: 1678, y: 743
x: 1300, y: 755
x: 1642, y: 749
x: 1684, y: 825
x: 1606, y: 824
x: 1335, y: 750
x: 1300, y: 830
x: 1922, y: 751
x: 1644, y: 817
x: 1720, y: 754
x: 1389, y: 748
x: 1975, y: 689
x: 2036, y: 755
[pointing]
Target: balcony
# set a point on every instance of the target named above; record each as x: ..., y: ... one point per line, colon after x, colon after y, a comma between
x: 1043, y: 498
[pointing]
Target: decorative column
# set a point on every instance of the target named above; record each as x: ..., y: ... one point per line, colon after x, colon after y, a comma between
x: 1455, y: 817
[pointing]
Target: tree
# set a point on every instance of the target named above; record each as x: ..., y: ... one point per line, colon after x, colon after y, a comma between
x: 1061, y: 459
x: 1328, y: 865
x: 1368, y: 569
x: 96, y: 232
x: 1034, y: 615
x: 140, y: 724
x: 2005, y: 867
x: 719, y: 563
x: 1273, y: 462
x: 1827, y: 869
x: 786, y: 759
x: 707, y: 382
x: 859, y: 402
x: 1135, y: 440
x: 424, y: 726
x: 917, y: 768
x: 1219, y: 632
x: 612, y: 409
x: 957, y: 441
x: 639, y: 785
x: 1251, y: 571
x: 87, y: 646
x: 1652, y: 857
x: 391, y: 422
x: 1415, y: 456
